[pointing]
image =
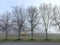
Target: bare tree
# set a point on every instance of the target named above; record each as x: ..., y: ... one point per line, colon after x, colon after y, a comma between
x: 5, y: 23
x: 18, y: 19
x: 45, y: 12
x: 33, y: 18
x: 56, y: 16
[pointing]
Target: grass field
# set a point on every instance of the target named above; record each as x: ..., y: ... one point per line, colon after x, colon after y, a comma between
x: 27, y: 38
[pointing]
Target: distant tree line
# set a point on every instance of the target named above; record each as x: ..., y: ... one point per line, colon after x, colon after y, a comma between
x: 44, y: 15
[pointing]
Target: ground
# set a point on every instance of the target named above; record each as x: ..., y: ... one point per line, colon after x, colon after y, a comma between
x: 29, y: 43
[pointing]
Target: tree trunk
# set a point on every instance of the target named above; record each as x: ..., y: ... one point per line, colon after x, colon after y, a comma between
x: 46, y: 35
x: 32, y: 33
x: 6, y: 35
x: 59, y: 27
x: 19, y: 35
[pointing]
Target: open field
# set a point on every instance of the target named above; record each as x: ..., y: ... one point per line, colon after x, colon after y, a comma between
x: 40, y: 37
x: 28, y: 36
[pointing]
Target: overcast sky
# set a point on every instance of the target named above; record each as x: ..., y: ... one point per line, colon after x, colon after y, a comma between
x: 6, y: 5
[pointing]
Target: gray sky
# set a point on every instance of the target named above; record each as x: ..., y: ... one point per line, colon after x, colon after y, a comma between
x: 6, y: 5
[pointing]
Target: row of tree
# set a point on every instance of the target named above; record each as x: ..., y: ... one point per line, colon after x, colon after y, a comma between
x: 45, y: 15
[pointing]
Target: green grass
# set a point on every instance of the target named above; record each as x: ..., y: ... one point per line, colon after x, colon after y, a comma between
x: 28, y: 39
